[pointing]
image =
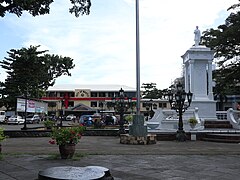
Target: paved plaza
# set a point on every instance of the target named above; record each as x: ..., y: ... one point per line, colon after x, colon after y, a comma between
x: 23, y: 158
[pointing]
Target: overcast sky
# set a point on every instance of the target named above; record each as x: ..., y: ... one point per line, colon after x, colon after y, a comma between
x: 103, y: 43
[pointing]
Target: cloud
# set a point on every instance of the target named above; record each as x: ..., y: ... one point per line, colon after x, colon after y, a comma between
x: 103, y: 43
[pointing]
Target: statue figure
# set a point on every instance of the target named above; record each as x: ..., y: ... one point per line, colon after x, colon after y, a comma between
x: 197, y: 36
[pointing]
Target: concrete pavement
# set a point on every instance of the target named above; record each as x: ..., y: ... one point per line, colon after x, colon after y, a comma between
x: 23, y: 158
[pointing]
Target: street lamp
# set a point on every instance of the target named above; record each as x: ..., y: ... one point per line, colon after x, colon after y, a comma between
x: 121, y: 106
x: 101, y: 105
x: 61, y: 113
x: 177, y: 102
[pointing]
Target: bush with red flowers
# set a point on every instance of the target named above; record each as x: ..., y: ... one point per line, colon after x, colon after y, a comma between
x: 67, y: 135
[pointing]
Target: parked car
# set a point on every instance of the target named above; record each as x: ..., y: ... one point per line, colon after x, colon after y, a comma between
x: 33, y: 118
x: 70, y: 117
x: 2, y: 116
x: 15, y: 120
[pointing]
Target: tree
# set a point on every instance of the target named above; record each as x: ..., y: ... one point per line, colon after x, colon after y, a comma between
x: 225, y: 41
x: 40, y: 7
x: 30, y: 73
x: 151, y: 92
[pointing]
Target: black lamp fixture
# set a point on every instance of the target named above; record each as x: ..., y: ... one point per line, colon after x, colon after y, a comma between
x: 177, y: 102
x: 121, y: 106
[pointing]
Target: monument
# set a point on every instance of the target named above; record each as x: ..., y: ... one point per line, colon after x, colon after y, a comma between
x: 198, y: 78
x: 138, y: 134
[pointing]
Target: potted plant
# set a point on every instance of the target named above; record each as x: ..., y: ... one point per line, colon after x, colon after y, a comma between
x: 66, y: 138
x: 192, y: 121
x: 129, y: 118
x: 49, y: 124
x: 2, y: 137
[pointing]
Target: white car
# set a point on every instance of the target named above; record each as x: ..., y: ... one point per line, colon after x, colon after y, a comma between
x: 15, y: 120
x: 70, y: 117
x: 33, y: 118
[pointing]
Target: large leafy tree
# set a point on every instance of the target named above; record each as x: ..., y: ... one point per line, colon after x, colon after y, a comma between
x: 151, y: 92
x: 225, y: 41
x: 41, y: 7
x: 30, y: 72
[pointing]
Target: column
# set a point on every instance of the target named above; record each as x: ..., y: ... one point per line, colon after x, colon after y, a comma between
x: 210, y: 92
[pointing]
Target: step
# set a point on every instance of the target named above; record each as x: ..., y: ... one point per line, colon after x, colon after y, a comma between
x: 229, y: 126
x: 225, y: 138
x: 217, y: 124
x: 221, y: 140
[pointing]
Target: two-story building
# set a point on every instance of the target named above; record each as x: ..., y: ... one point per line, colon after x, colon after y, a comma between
x: 87, y: 99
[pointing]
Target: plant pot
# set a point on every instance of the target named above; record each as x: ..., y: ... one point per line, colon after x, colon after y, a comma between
x: 67, y: 151
x: 192, y: 125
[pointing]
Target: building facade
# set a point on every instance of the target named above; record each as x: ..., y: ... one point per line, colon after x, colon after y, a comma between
x: 87, y: 99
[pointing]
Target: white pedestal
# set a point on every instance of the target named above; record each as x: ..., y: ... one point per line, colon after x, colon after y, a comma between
x: 193, y: 136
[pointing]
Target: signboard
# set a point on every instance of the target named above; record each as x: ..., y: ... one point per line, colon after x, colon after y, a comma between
x: 32, y: 106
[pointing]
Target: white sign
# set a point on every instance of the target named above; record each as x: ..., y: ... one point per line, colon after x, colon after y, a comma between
x: 32, y: 106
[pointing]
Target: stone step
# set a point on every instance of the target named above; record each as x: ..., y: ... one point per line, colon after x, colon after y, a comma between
x: 217, y: 124
x: 228, y: 126
x: 224, y: 138
x: 166, y: 136
x: 221, y: 140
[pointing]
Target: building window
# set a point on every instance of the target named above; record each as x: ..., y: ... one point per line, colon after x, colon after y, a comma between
x: 102, y: 94
x: 71, y: 94
x: 70, y: 104
x: 111, y: 94
x: 94, y: 104
x: 62, y: 94
x: 52, y: 94
x: 130, y: 94
x: 93, y: 94
x: 162, y: 105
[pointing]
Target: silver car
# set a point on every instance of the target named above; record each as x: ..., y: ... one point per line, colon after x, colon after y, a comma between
x: 34, y: 118
x: 15, y: 120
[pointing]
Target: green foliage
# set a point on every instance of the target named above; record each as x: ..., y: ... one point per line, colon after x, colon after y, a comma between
x: 40, y: 7
x: 2, y: 136
x: 49, y: 124
x: 30, y: 73
x: 62, y: 136
x: 193, y: 121
x: 225, y: 41
x: 151, y: 92
x: 129, y: 118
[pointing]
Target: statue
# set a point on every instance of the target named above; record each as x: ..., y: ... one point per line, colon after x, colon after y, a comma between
x: 197, y: 36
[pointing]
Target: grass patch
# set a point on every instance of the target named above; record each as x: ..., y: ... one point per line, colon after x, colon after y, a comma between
x: 1, y: 157
x: 76, y: 156
x: 53, y: 156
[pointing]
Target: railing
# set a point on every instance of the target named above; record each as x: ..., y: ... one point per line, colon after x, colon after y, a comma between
x: 221, y: 115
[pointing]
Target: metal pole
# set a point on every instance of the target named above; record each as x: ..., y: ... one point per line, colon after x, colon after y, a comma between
x: 137, y: 58
x: 25, y: 114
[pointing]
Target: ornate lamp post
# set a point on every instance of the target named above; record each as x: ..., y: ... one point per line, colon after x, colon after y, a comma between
x: 101, y: 105
x: 121, y: 106
x: 177, y: 102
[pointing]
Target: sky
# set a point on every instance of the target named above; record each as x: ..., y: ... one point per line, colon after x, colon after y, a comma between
x: 103, y: 44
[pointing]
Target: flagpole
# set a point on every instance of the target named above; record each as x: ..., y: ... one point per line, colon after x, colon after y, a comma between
x: 137, y: 58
